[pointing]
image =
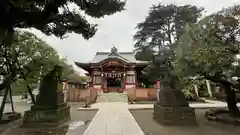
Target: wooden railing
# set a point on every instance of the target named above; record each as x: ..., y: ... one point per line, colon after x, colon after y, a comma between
x: 113, y: 89
x: 91, y: 97
x: 82, y: 95
x: 142, y: 93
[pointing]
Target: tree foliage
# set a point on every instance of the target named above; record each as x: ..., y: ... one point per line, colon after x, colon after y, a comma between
x: 144, y: 54
x: 35, y: 57
x: 45, y: 15
x: 164, y: 24
x: 50, y: 17
x: 209, y: 49
x: 161, y: 30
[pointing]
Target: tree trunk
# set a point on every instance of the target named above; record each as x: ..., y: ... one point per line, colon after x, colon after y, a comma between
x: 231, y: 99
x: 230, y: 93
x: 31, y: 94
x: 29, y: 89
x: 11, y: 100
x: 3, y: 103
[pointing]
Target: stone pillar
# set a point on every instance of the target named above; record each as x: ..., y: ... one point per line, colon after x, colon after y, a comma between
x: 65, y: 95
x: 196, y: 90
x: 50, y: 108
x: 209, y: 88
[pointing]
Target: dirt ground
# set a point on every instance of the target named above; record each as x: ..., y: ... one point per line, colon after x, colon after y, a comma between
x: 151, y: 127
x: 76, y: 126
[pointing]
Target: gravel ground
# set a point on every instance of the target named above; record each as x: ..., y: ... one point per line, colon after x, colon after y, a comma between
x: 151, y: 127
x: 78, y: 124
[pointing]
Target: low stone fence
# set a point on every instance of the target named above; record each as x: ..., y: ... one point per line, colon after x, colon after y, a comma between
x: 146, y: 94
x: 81, y: 95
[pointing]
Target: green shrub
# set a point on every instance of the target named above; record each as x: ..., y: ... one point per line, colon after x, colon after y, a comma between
x: 189, y: 93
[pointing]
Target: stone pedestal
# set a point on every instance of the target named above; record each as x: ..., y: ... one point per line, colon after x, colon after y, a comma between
x: 172, y: 108
x: 42, y: 115
x: 174, y: 115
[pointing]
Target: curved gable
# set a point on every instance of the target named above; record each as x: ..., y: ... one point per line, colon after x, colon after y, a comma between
x: 113, y: 61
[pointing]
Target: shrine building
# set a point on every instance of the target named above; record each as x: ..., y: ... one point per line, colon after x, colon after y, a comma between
x: 114, y: 71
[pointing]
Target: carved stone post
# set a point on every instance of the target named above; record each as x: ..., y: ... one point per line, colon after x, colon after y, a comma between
x: 50, y: 108
x: 172, y: 108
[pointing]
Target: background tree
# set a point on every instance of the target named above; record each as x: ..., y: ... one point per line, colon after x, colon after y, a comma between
x: 144, y: 54
x: 34, y: 57
x: 45, y: 16
x: 209, y: 49
x: 161, y: 30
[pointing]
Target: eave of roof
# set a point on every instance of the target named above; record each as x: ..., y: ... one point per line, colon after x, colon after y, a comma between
x: 124, y: 57
x: 88, y: 65
x: 73, y: 78
x: 84, y: 66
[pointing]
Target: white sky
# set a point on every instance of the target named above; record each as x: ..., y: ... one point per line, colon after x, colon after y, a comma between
x: 117, y: 30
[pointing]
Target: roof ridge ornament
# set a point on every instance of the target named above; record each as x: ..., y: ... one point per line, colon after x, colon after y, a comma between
x: 114, y: 49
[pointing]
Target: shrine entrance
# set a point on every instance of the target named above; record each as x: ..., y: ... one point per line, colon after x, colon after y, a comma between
x: 114, y: 82
x: 113, y: 76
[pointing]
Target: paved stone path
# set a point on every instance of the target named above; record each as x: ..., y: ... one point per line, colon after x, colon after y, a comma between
x: 208, y: 104
x: 113, y: 119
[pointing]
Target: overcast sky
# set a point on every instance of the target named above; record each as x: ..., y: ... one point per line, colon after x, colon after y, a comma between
x: 117, y: 30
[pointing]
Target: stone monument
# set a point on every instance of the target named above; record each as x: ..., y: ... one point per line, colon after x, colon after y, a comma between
x: 172, y: 108
x: 50, y: 108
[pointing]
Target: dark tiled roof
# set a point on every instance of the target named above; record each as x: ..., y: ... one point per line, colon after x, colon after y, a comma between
x: 75, y: 79
x: 127, y: 57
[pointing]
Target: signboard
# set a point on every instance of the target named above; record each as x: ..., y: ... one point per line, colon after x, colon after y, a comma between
x: 111, y: 63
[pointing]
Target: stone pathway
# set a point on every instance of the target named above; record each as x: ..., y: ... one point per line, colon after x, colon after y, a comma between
x: 113, y: 119
x: 208, y: 104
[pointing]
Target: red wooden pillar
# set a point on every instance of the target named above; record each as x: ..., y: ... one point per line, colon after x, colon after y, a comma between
x: 102, y: 81
x: 65, y: 85
x: 158, y: 85
x: 136, y: 79
x: 124, y: 82
x: 92, y: 80
x: 124, y: 78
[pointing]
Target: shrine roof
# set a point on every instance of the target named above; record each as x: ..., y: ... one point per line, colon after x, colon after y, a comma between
x: 74, y: 79
x: 127, y: 57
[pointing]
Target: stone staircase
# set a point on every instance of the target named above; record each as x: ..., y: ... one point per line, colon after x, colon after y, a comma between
x: 112, y: 97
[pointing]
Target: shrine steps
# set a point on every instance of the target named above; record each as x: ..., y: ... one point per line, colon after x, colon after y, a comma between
x: 112, y: 97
